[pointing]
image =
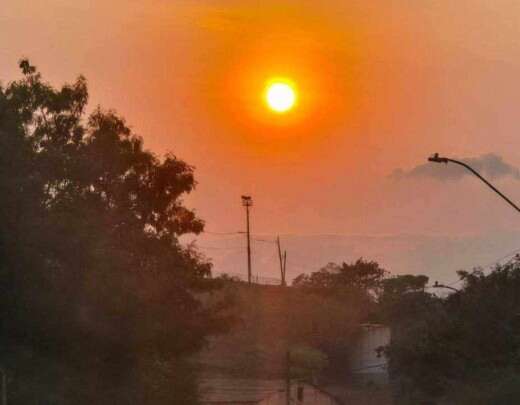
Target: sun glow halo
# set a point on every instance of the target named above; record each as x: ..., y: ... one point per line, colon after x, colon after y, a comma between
x: 280, y: 96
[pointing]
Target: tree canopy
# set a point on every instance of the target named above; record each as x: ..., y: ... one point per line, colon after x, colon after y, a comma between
x: 464, y: 348
x: 361, y: 275
x: 92, y: 273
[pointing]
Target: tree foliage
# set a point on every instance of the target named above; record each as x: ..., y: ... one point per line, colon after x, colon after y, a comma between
x: 459, y: 347
x: 362, y: 275
x: 92, y: 274
x: 346, y: 295
x: 401, y: 297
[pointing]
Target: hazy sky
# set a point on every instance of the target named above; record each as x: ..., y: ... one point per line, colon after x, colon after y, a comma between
x: 383, y: 84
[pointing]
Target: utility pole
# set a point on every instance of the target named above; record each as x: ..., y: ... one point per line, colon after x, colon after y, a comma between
x: 283, y: 261
x: 284, y: 267
x: 247, y: 202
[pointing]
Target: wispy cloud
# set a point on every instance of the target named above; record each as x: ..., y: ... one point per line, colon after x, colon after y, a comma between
x: 489, y: 165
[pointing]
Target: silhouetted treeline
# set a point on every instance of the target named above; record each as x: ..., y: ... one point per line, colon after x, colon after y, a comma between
x: 98, y: 300
x: 461, y: 349
x: 458, y: 348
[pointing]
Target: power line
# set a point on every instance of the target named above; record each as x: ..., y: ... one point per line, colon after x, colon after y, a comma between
x: 223, y: 233
x: 221, y: 247
x: 257, y: 239
x: 493, y: 263
x: 264, y: 240
x: 511, y: 254
x: 514, y: 252
x: 237, y: 233
x: 292, y: 234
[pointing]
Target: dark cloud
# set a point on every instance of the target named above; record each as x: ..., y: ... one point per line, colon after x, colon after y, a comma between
x: 490, y: 166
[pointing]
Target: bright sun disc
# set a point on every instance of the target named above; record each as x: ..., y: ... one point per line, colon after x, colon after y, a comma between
x: 280, y: 97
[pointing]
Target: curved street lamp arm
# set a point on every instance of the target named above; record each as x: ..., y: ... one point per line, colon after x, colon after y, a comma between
x: 485, y: 181
x: 436, y: 158
x: 437, y: 285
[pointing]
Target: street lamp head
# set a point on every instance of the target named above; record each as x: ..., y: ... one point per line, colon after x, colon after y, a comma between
x: 247, y: 201
x: 437, y: 159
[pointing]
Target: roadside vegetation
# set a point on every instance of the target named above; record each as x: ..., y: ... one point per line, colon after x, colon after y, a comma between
x: 99, y: 301
x: 101, y: 304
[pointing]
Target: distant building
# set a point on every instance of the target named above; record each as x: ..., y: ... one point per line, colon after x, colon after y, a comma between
x: 231, y: 391
x: 366, y: 361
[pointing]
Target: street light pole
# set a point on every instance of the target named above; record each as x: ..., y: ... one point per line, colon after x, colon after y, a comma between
x: 437, y: 159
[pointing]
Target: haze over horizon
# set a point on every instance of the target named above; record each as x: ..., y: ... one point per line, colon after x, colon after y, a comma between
x: 382, y: 86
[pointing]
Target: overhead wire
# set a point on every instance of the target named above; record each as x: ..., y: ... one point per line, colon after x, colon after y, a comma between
x: 224, y: 233
x: 257, y: 239
x: 264, y: 240
x: 221, y: 247
x: 513, y: 254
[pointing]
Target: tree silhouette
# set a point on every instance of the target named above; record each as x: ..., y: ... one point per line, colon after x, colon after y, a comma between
x: 463, y: 348
x: 92, y: 275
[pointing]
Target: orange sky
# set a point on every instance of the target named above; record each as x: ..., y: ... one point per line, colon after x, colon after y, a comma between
x: 382, y: 85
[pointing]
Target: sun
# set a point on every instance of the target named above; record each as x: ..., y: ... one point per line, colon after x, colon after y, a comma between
x: 280, y: 96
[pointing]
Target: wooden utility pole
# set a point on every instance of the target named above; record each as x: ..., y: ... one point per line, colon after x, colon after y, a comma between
x: 247, y: 202
x: 283, y: 261
x: 284, y: 281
